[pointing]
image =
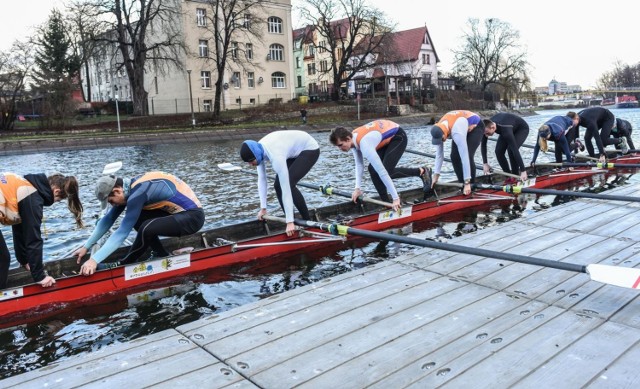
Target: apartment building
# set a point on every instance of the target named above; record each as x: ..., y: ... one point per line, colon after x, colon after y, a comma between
x: 259, y: 70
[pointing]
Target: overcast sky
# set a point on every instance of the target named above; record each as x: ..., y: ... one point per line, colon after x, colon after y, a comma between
x: 565, y: 39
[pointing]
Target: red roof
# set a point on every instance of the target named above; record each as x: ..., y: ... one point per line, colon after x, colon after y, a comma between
x: 404, y: 46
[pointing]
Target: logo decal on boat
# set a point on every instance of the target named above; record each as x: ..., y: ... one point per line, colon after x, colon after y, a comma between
x: 393, y: 215
x: 9, y: 294
x: 157, y: 266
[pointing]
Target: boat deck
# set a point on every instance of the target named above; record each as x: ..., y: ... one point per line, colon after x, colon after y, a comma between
x: 421, y: 320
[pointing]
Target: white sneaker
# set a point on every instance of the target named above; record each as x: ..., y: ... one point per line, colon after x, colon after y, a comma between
x: 624, y: 146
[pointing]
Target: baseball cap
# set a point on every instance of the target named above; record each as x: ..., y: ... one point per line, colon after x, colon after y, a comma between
x: 437, y: 134
x: 103, y: 188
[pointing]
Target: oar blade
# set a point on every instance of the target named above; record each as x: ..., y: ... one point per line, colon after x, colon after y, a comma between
x: 626, y: 277
x: 228, y: 167
x: 112, y: 167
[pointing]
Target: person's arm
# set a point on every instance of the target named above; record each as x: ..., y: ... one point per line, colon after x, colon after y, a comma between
x: 483, y: 150
x: 357, y: 156
x: 30, y: 210
x: 536, y: 150
x: 437, y: 166
x: 262, y: 185
x: 135, y: 202
x: 103, y: 226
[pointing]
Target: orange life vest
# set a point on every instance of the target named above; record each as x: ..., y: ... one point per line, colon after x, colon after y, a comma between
x: 446, y: 122
x: 387, y: 128
x: 13, y: 188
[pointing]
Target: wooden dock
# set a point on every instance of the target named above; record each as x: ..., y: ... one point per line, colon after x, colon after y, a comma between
x: 423, y: 320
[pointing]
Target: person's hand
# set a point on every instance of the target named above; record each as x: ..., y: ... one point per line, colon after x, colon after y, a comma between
x: 603, y: 158
x: 434, y: 180
x: 396, y: 205
x: 261, y: 213
x: 291, y: 228
x: 89, y: 267
x: 47, y: 282
x: 356, y: 194
x: 467, y: 189
x: 80, y: 253
x: 532, y: 165
x: 486, y: 168
x: 523, y: 176
x: 26, y: 266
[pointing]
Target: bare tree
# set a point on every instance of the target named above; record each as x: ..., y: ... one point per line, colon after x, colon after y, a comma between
x: 230, y: 22
x: 491, y: 54
x: 350, y: 31
x: 622, y: 75
x: 15, y: 66
x: 84, y: 27
x: 145, y: 31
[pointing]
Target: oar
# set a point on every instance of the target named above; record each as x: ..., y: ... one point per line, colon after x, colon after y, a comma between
x: 328, y: 190
x: 599, y: 165
x: 448, y: 160
x: 625, y: 277
x: 514, y: 189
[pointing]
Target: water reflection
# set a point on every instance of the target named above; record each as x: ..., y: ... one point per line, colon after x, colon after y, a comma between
x: 227, y: 198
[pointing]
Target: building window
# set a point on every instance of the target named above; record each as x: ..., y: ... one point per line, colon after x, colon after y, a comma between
x: 234, y: 50
x: 298, y: 62
x: 428, y: 59
x: 299, y: 81
x: 235, y: 79
x: 311, y: 68
x: 249, y: 50
x: 312, y: 50
x: 203, y: 48
x: 426, y: 40
x: 321, y: 47
x: 252, y: 101
x: 206, y: 105
x: 247, y: 21
x: 205, y: 76
x: 323, y: 66
x: 324, y: 86
x: 251, y: 80
x: 201, y: 17
x: 275, y: 25
x: 276, y: 52
x: 277, y: 80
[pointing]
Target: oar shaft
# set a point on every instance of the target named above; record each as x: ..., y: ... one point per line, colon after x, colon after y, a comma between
x: 448, y: 160
x: 329, y: 190
x: 518, y: 189
x: 598, y: 165
x: 344, y: 230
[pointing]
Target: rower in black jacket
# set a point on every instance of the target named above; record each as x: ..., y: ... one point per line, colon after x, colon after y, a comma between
x: 598, y: 118
x: 623, y: 129
x: 513, y: 131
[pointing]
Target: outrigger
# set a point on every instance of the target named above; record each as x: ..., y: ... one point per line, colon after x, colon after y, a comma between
x: 252, y: 240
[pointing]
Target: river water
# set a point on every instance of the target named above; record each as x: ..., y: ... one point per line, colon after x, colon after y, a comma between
x: 227, y: 198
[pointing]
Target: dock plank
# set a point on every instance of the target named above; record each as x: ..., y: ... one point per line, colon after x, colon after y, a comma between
x: 582, y: 361
x: 622, y: 373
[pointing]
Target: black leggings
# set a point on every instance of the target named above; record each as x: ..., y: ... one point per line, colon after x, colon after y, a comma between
x: 155, y: 223
x: 502, y: 147
x: 474, y: 138
x: 390, y: 156
x: 298, y: 168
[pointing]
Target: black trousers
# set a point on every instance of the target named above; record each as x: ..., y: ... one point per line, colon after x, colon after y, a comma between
x: 474, y: 138
x: 390, y: 156
x: 298, y: 168
x: 155, y: 223
x: 502, y: 147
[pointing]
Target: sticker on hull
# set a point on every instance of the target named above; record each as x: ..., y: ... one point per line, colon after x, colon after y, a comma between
x: 158, y: 266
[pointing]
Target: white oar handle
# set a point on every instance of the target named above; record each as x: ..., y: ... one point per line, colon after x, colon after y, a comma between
x: 378, y: 202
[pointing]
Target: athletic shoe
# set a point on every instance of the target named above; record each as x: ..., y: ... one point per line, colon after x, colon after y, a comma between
x: 579, y: 145
x: 624, y: 146
x: 426, y: 179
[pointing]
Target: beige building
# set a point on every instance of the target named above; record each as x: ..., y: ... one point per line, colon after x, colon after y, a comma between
x: 260, y: 66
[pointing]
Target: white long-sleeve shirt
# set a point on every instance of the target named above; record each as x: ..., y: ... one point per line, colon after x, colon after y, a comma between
x: 278, y: 147
x: 367, y: 148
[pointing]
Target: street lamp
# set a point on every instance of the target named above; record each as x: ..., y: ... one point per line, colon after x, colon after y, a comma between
x: 117, y: 110
x: 193, y: 118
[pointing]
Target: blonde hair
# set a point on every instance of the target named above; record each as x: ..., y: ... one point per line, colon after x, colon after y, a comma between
x: 68, y: 186
x: 544, y: 145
